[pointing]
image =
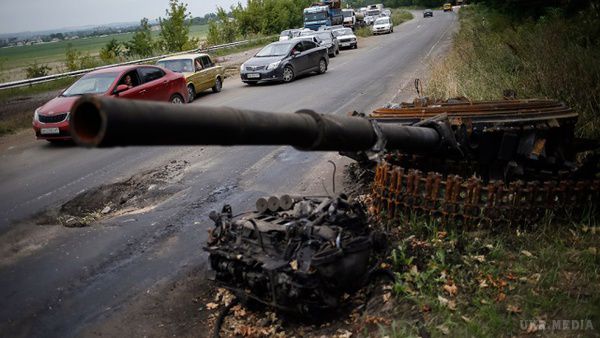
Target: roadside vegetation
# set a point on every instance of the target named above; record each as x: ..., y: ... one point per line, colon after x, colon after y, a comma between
x: 406, y: 4
x: 550, y: 53
x: 492, y: 283
x: 542, y: 280
x: 243, y: 22
x: 401, y: 15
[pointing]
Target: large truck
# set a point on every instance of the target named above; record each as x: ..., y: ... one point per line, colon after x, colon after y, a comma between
x: 325, y: 13
x: 349, y: 17
x: 375, y: 6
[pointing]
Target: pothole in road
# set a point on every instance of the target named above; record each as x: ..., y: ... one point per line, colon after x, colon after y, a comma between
x: 139, y: 192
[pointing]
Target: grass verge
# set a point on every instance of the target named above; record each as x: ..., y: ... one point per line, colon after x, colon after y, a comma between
x: 508, y: 282
x: 400, y: 15
x: 554, y: 56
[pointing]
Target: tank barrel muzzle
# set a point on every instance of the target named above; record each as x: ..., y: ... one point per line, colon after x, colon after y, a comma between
x: 108, y: 122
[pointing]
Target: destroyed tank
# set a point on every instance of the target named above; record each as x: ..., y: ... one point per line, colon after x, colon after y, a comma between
x: 460, y: 162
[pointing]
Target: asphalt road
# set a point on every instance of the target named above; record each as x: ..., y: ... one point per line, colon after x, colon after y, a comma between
x: 59, y: 282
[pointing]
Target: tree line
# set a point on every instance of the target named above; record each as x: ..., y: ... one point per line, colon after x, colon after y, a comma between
x: 258, y: 17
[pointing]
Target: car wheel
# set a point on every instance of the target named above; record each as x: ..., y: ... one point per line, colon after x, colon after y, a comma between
x: 355, y: 46
x: 218, y: 85
x: 322, y: 66
x: 337, y: 51
x: 288, y: 74
x: 191, y: 93
x: 176, y: 99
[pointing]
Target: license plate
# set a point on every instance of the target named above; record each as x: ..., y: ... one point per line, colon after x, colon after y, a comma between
x: 253, y: 76
x: 345, y: 44
x: 49, y: 131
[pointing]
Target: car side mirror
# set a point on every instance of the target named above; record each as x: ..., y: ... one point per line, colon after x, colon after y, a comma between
x: 121, y: 88
x: 296, y: 53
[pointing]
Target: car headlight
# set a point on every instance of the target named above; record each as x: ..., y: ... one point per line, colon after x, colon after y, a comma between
x: 273, y: 65
x: 36, y: 116
x: 242, y: 67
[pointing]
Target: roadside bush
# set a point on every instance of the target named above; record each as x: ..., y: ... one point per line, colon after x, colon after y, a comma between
x: 363, y: 31
x: 399, y: 16
x: 141, y: 43
x: 221, y: 30
x: 75, y: 60
x: 554, y: 56
x: 111, y: 52
x: 37, y: 70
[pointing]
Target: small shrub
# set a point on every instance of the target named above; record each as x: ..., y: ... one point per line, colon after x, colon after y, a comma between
x: 37, y: 70
x: 75, y: 60
x: 399, y: 16
x: 364, y: 31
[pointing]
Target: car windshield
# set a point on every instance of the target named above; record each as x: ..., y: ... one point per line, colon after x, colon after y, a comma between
x: 285, y: 33
x: 178, y: 66
x: 325, y: 36
x: 340, y: 32
x: 373, y: 13
x: 381, y: 21
x: 315, y: 16
x: 275, y: 49
x: 347, y: 14
x: 91, y: 84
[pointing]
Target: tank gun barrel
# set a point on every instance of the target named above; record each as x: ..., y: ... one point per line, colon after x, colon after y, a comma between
x: 107, y: 122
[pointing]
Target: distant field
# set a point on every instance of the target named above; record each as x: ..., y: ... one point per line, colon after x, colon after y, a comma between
x: 14, y: 59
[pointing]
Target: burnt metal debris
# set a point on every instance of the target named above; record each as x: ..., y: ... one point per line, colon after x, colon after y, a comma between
x: 297, y: 254
x: 519, y: 160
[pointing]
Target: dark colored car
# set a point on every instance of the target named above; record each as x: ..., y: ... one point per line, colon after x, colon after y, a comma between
x: 51, y: 121
x: 327, y: 40
x: 428, y: 13
x: 284, y: 61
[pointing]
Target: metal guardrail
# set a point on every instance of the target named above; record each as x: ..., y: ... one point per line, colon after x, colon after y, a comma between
x: 37, y: 80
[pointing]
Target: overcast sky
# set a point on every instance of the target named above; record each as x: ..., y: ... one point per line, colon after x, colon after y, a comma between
x: 35, y: 15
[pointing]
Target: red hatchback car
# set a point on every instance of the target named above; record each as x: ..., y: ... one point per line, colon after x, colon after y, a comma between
x: 137, y: 82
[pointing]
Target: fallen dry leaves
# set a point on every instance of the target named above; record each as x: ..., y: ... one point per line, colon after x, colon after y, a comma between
x: 212, y: 306
x: 513, y: 309
x: 450, y: 288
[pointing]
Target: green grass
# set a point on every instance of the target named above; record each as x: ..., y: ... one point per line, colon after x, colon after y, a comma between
x: 400, y: 15
x: 17, y: 57
x: 502, y: 277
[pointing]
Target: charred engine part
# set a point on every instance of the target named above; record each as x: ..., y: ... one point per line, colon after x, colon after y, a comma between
x: 302, y: 259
